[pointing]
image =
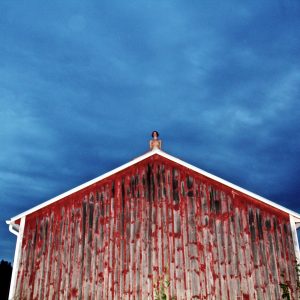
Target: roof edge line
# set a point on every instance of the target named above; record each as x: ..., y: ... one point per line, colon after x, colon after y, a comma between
x: 229, y: 184
x: 86, y: 184
x: 142, y: 157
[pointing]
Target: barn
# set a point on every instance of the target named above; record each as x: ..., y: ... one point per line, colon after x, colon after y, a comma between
x: 155, y: 228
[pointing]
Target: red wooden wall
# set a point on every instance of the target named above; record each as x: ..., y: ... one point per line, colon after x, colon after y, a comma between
x: 156, y: 221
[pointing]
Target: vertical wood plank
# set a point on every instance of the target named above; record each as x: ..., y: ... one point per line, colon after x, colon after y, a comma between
x: 155, y: 221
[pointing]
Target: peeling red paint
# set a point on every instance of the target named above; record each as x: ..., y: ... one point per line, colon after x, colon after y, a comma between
x: 155, y: 220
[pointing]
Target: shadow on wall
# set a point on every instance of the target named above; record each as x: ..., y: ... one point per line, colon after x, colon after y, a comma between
x: 5, y: 276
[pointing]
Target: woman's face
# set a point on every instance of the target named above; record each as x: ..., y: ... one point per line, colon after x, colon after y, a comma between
x: 154, y: 134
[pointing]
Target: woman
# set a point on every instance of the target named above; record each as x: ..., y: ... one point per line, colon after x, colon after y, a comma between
x: 155, y: 143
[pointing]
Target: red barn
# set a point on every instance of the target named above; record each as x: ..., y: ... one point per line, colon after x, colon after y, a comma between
x: 155, y: 223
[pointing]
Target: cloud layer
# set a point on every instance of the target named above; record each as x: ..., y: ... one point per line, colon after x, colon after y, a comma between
x: 82, y: 85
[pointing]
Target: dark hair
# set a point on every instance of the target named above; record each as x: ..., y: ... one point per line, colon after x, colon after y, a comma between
x: 155, y: 132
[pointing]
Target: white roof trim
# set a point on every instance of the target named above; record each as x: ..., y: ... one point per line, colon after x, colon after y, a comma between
x: 142, y: 157
x: 229, y: 184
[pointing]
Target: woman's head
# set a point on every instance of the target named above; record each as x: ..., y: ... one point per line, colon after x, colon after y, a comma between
x: 155, y: 134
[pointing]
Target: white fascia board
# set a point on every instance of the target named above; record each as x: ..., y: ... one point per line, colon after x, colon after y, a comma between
x: 172, y: 158
x: 229, y: 184
x: 84, y: 185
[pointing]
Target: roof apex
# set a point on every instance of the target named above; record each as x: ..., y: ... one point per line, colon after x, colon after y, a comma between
x: 145, y: 156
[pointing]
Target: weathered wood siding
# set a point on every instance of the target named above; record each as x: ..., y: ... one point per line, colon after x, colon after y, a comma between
x: 155, y: 221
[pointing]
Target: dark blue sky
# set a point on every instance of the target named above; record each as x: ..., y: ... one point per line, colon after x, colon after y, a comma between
x: 83, y: 84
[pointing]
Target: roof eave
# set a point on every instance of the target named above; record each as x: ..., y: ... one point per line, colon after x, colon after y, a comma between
x: 170, y: 157
x: 84, y: 185
x: 229, y: 184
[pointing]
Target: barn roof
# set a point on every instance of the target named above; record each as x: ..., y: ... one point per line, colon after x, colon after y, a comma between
x: 156, y: 151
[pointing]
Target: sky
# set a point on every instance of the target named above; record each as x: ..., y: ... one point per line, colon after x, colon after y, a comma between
x: 84, y: 83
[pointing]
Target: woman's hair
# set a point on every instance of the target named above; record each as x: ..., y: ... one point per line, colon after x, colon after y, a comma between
x: 155, y: 132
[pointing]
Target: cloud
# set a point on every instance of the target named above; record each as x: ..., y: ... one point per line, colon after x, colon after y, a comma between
x: 82, y: 85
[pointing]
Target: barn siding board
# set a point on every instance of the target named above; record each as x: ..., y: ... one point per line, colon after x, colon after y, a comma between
x: 122, y: 237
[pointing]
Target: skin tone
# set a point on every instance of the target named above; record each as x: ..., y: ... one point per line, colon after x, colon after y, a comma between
x: 155, y: 142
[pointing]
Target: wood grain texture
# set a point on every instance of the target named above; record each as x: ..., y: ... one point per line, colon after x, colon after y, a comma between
x: 154, y: 221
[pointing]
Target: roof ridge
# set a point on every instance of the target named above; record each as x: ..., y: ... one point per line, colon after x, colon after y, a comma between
x: 145, y: 156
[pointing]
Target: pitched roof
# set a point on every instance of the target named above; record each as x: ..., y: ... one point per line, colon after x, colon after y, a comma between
x: 171, y: 158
